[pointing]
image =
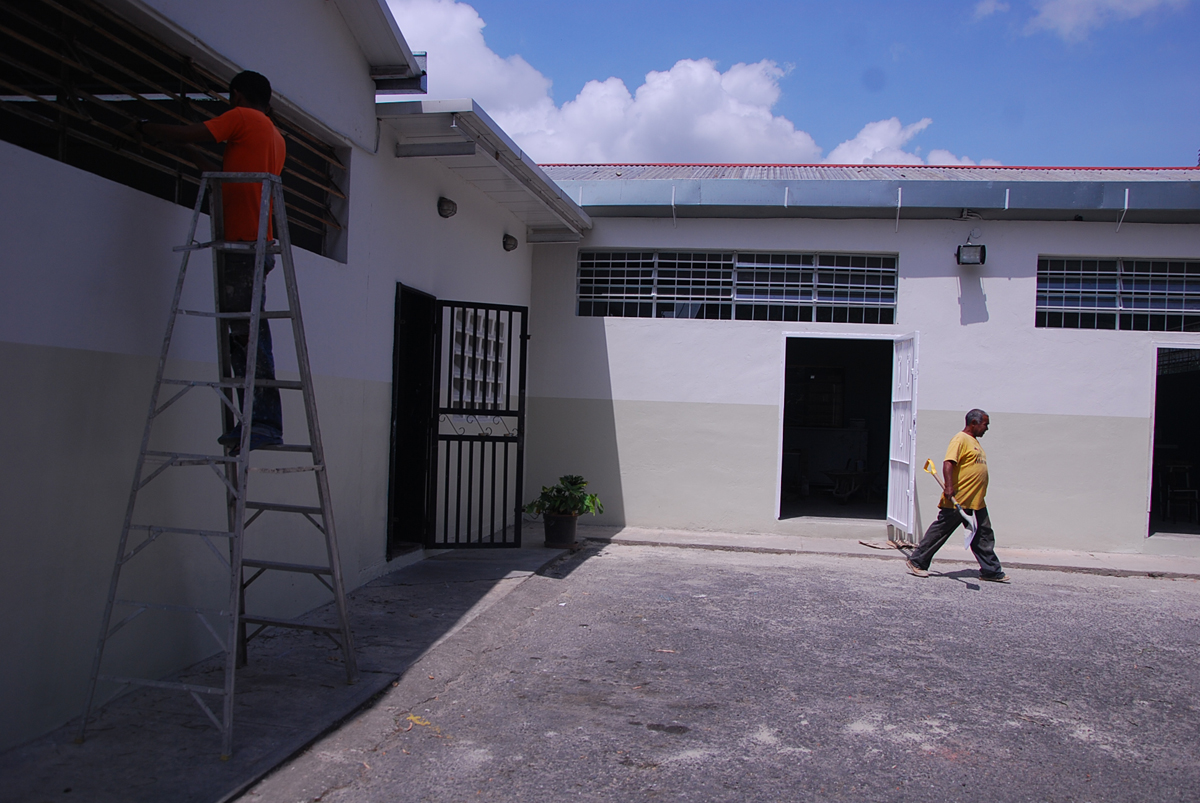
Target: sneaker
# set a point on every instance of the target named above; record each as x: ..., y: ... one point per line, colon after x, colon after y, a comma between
x: 995, y: 578
x: 232, y: 438
x: 916, y: 570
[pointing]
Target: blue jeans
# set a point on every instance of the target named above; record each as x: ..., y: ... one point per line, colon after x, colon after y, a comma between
x: 237, y: 291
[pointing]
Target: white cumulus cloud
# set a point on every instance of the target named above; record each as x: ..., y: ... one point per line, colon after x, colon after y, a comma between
x: 986, y: 8
x: 692, y: 112
x: 881, y: 142
x: 1075, y: 19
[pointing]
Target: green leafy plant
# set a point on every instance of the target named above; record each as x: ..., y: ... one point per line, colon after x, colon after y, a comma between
x: 568, y: 498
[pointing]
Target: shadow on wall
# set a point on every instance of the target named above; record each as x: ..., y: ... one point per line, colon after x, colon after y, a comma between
x: 972, y: 301
x: 573, y: 435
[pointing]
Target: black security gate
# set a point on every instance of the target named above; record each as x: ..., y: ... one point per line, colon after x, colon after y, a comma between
x: 478, y: 425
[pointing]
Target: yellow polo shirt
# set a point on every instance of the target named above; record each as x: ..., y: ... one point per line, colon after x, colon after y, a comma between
x: 970, y: 472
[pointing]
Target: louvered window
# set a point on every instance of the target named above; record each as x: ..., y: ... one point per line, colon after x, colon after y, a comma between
x: 1133, y: 294
x: 74, y: 75
x: 844, y: 288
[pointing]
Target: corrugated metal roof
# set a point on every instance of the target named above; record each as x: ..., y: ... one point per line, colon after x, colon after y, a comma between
x: 1134, y: 194
x: 775, y: 172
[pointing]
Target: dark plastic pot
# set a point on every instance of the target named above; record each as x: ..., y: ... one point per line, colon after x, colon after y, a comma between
x: 560, y: 530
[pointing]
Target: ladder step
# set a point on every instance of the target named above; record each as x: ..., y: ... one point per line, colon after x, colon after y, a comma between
x: 287, y: 567
x: 273, y: 622
x: 244, y: 247
x: 288, y: 447
x: 184, y: 459
x: 227, y: 245
x: 233, y: 384
x: 271, y: 313
x: 285, y: 470
x: 282, y: 508
x: 181, y: 530
x: 162, y: 606
x: 164, y: 684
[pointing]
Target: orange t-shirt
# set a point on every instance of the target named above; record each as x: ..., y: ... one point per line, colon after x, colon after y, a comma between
x: 253, y: 145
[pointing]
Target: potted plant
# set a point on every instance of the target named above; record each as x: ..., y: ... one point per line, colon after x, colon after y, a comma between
x: 560, y: 505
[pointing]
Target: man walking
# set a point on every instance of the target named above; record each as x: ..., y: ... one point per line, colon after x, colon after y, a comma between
x: 965, y: 477
x: 252, y: 145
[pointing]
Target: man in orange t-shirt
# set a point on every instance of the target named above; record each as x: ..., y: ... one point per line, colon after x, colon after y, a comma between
x: 252, y: 145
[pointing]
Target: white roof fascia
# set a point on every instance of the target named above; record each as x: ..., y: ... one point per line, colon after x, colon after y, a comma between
x: 465, y: 134
x: 377, y: 33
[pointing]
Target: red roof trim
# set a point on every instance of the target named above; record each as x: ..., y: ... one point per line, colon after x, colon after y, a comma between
x: 906, y: 167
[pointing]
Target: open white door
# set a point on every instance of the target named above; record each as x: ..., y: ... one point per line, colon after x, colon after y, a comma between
x: 902, y: 453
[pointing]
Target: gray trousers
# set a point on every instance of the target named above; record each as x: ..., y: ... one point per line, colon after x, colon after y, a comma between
x: 948, y: 520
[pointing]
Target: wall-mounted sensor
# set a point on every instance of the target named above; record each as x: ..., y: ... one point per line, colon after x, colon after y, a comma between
x: 509, y: 242
x: 446, y: 207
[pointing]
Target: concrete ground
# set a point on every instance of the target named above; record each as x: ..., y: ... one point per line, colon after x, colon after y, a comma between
x: 153, y: 745
x: 705, y: 666
x: 751, y: 673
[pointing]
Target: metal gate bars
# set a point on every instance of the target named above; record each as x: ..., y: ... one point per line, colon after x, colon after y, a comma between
x: 227, y: 623
x: 478, y: 426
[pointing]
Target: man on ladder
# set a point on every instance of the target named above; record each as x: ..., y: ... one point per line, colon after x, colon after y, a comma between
x: 253, y: 162
x: 253, y: 145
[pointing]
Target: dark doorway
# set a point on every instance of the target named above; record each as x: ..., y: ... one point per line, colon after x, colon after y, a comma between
x: 836, y: 425
x: 1175, y: 487
x: 412, y: 411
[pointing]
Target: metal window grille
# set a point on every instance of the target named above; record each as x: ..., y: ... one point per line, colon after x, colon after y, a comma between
x: 855, y: 289
x: 478, y: 376
x: 849, y: 288
x: 1178, y: 361
x: 74, y: 75
x: 690, y: 285
x: 1129, y: 294
x: 616, y: 284
x: 774, y: 287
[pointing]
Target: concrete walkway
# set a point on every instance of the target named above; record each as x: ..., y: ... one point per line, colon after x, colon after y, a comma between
x: 1110, y: 563
x: 152, y: 745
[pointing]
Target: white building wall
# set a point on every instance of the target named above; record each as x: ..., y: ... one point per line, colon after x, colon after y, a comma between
x: 678, y: 421
x: 88, y: 271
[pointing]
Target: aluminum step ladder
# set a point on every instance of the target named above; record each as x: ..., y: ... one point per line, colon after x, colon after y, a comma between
x: 228, y: 625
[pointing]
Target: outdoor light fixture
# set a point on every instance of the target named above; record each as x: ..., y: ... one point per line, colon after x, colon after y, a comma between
x: 509, y: 242
x: 446, y: 207
x: 972, y: 253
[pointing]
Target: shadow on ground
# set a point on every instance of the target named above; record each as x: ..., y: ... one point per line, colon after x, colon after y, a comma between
x: 157, y: 745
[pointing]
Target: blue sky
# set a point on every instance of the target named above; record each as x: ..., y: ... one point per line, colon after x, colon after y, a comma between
x: 1038, y: 82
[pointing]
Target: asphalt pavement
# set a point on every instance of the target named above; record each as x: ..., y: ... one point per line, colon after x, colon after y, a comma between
x: 636, y: 672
